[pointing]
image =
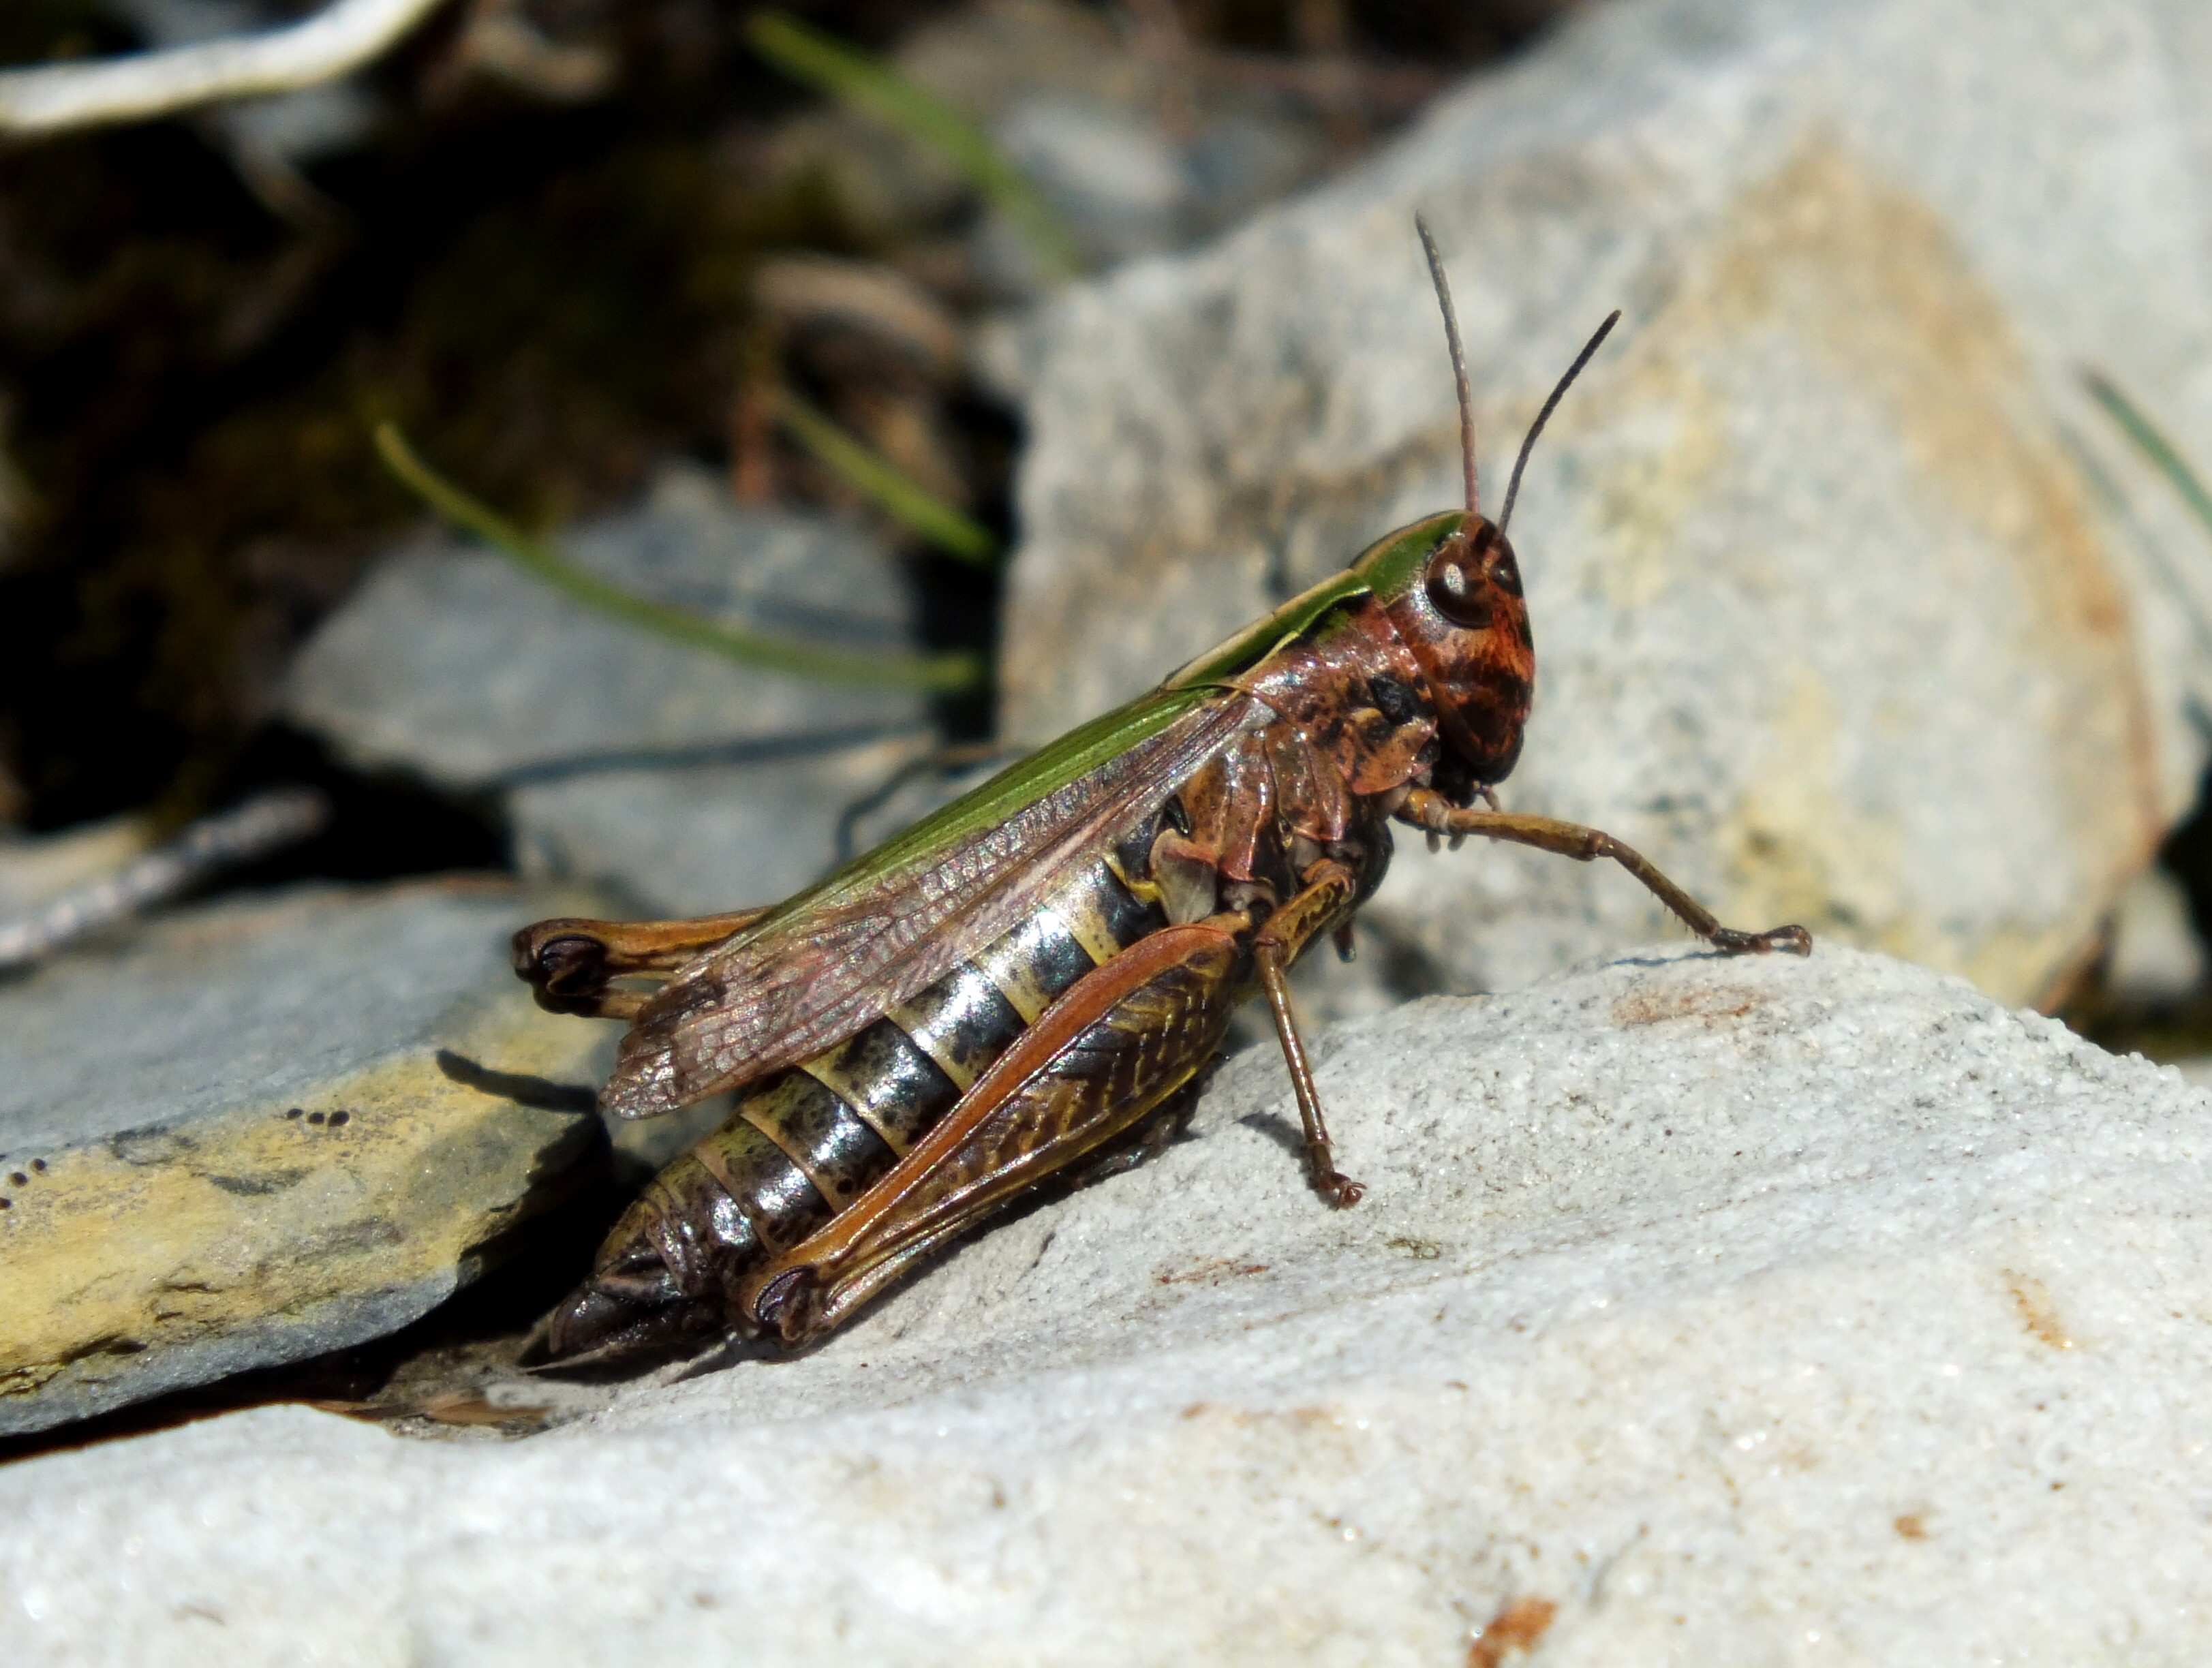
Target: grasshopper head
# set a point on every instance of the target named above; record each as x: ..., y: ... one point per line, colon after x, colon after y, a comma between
x: 1452, y: 590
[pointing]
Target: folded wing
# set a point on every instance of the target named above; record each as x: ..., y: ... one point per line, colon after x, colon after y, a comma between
x: 883, y: 928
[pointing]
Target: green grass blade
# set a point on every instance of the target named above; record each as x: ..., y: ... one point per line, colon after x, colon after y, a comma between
x: 2152, y: 444
x: 939, y: 673
x: 904, y: 499
x: 830, y: 65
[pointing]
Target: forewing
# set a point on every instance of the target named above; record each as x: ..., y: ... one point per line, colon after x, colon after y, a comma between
x: 880, y: 929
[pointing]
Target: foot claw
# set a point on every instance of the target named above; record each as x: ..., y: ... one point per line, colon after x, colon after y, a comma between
x: 1340, y: 1191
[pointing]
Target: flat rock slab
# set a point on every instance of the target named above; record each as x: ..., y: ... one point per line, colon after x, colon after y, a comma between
x: 455, y: 664
x: 701, y: 840
x: 1700, y: 1310
x: 261, y: 1130
x: 1850, y: 607
x: 671, y: 778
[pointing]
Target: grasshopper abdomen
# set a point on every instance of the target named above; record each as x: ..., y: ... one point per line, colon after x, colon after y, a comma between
x: 802, y: 1144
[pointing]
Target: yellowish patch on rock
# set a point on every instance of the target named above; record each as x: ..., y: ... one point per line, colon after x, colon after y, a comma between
x: 1855, y: 284
x: 169, y: 1236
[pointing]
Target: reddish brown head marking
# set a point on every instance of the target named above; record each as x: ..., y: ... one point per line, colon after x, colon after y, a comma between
x: 1467, y: 622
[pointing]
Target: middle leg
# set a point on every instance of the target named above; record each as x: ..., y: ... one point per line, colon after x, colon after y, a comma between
x: 1329, y: 891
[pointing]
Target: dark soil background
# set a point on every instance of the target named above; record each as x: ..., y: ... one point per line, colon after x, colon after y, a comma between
x: 547, y: 295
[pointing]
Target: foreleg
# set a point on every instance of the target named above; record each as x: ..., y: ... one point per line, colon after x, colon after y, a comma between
x: 1427, y: 810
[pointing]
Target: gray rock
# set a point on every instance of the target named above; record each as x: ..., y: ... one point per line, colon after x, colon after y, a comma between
x: 1138, y: 147
x: 263, y: 1130
x: 1837, y: 619
x: 2154, y: 956
x: 666, y: 776
x: 1113, y: 173
x: 704, y: 840
x: 1699, y: 1310
x: 452, y: 664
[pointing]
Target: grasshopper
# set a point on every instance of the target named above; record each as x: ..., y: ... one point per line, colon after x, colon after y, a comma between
x: 1021, y: 986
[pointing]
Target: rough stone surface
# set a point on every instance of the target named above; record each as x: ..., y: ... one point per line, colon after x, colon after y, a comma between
x: 1850, y: 608
x: 1738, y: 1312
x: 455, y: 664
x: 703, y: 839
x: 663, y: 775
x: 1135, y: 146
x: 260, y: 1130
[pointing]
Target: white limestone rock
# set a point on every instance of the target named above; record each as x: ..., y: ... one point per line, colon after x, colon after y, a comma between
x: 1850, y: 607
x: 1737, y: 1312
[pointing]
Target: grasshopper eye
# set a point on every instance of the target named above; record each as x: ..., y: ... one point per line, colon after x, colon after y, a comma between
x: 1455, y: 587
x: 1505, y: 572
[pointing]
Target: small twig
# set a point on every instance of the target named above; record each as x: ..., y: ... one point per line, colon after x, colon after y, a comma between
x: 822, y: 61
x: 265, y: 823
x: 50, y: 97
x: 941, y: 673
x: 897, y: 494
x: 804, y: 290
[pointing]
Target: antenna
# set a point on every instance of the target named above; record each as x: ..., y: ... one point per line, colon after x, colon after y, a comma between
x: 1513, y: 488
x: 1459, y: 363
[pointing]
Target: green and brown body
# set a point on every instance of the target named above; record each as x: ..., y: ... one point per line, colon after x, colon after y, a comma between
x: 1014, y: 989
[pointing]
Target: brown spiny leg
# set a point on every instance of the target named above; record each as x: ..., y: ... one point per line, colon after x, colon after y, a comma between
x: 1425, y: 809
x: 1329, y: 889
x: 1106, y: 1055
x: 569, y: 960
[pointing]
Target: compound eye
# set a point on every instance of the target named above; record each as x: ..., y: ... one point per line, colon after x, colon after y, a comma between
x: 1455, y: 586
x: 1505, y: 572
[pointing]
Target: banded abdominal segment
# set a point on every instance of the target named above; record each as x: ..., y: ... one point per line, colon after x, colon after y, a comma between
x: 803, y: 1145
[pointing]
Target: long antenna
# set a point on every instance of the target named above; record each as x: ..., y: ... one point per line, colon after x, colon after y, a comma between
x: 1513, y: 488
x: 1459, y: 364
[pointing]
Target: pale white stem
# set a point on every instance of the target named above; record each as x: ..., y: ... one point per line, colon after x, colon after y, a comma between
x: 266, y: 823
x: 334, y: 42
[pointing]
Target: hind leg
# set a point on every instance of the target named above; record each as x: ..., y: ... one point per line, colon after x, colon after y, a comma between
x: 569, y: 962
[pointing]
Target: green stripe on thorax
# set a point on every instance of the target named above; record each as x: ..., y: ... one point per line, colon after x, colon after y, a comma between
x: 1385, y: 570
